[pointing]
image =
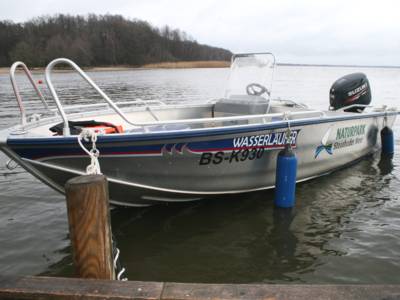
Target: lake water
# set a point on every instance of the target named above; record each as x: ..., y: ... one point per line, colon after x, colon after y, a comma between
x: 345, y: 227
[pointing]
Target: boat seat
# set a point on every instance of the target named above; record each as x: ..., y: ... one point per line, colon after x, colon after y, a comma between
x: 237, y: 105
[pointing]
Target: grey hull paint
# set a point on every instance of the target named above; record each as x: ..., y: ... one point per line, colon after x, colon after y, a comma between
x: 174, y: 176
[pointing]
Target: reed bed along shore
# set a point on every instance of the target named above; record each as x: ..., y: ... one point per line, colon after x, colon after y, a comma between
x: 161, y: 65
x: 188, y: 64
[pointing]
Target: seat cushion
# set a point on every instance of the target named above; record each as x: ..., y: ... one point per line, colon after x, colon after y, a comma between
x: 240, y: 105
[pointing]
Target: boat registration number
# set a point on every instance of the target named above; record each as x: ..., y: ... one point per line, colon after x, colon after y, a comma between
x: 235, y: 156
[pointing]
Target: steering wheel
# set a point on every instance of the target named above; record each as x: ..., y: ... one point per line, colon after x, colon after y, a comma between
x: 256, y: 89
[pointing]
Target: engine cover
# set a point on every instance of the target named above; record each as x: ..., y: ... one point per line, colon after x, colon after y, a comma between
x: 348, y: 90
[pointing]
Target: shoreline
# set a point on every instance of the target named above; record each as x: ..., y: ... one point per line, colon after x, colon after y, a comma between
x: 181, y: 65
x: 162, y: 65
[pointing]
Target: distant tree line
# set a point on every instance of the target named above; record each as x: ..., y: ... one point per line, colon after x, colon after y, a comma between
x: 98, y: 40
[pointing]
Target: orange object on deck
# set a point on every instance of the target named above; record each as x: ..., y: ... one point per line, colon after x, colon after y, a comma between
x: 76, y: 127
x: 107, y: 129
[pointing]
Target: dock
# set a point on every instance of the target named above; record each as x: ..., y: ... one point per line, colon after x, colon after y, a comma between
x: 74, y: 288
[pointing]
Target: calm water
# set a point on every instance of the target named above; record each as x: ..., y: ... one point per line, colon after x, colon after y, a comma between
x: 345, y: 227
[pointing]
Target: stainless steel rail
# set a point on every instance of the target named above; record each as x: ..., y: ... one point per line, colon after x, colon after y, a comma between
x: 262, y: 117
x: 60, y: 108
x: 48, y: 71
x: 16, y: 89
x: 149, y: 109
x: 121, y: 103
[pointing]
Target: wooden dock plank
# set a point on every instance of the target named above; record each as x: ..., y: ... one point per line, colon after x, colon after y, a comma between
x: 279, y: 291
x: 74, y: 288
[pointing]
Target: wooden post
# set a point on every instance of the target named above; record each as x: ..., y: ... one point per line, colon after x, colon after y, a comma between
x: 90, y: 226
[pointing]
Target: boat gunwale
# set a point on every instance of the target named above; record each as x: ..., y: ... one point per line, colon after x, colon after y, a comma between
x: 15, y: 139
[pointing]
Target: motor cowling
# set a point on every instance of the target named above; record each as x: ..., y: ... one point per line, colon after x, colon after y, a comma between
x: 348, y: 90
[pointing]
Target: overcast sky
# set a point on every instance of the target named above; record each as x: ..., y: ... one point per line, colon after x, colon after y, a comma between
x: 320, y: 31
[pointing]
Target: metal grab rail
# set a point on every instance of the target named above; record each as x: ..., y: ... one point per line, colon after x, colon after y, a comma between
x: 232, y: 118
x: 121, y: 103
x: 16, y: 89
x: 50, y: 67
x: 149, y: 109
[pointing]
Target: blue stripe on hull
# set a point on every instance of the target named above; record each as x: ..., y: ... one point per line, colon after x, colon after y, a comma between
x: 271, y: 140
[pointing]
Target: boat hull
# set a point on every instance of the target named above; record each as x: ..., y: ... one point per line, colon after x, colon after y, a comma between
x: 144, y: 169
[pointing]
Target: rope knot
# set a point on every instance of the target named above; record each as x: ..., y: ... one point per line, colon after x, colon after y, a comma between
x: 89, y: 135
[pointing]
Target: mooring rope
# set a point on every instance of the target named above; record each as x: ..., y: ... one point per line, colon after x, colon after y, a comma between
x: 288, y: 134
x: 119, y: 269
x: 87, y: 135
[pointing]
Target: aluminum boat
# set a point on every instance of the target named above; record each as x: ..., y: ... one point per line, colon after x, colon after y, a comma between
x: 152, y: 152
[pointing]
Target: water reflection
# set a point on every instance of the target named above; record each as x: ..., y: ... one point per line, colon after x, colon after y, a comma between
x: 240, y: 239
x: 282, y: 236
x: 385, y: 164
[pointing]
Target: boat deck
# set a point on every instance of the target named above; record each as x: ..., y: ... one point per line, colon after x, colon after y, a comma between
x: 175, y: 117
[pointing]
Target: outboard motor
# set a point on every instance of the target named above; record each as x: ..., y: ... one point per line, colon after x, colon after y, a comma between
x: 348, y: 90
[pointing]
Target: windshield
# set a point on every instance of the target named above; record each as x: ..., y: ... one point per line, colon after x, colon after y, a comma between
x: 251, y: 74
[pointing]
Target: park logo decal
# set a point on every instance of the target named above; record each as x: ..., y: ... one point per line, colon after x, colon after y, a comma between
x: 345, y: 137
x: 325, y: 145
